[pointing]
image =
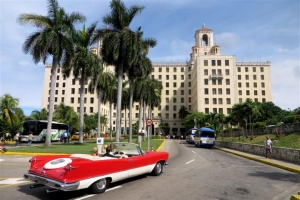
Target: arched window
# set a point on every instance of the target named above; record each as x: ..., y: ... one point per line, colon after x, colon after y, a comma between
x: 204, y: 40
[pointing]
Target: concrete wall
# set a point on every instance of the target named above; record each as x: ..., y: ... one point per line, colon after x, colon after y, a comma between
x: 291, y: 155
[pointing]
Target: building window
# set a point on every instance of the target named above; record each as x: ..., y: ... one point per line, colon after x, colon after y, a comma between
x: 255, y: 85
x: 262, y: 77
x: 91, y: 109
x: 167, y: 77
x: 227, y: 90
x: 246, y: 69
x: 214, y: 100
x: 206, y: 91
x: 254, y: 69
x: 174, y: 84
x: 228, y: 101
x: 182, y: 92
x: 72, y: 99
x: 247, y: 77
x: 190, y: 99
x: 221, y: 110
x: 205, y: 72
x: 57, y: 84
x: 254, y: 77
x: 263, y: 100
x: 174, y: 115
x: 219, y: 90
x: 78, y: 100
x: 247, y: 84
x: 206, y: 110
x: 182, y: 77
x: 73, y: 81
x: 214, y: 110
x: 255, y: 92
x: 239, y: 69
x: 91, y: 100
x: 214, y: 82
x: 85, y: 90
x: 174, y: 108
x: 167, y: 108
x: 206, y: 100
x: 167, y: 100
x: 227, y: 71
x: 167, y: 69
x: 182, y: 69
x: 228, y: 110
x: 239, y: 77
x: 214, y: 91
x: 239, y: 84
x: 240, y: 92
x: 256, y: 99
x: 174, y: 69
x: 159, y: 107
x: 167, y: 92
x: 174, y: 77
x: 64, y: 84
x: 219, y: 62
x: 247, y: 92
x: 213, y: 63
x: 167, y: 115
x: 159, y: 69
x: 189, y: 84
x: 205, y: 81
x: 62, y: 99
x: 174, y: 100
x: 190, y: 92
x: 219, y: 81
x: 182, y: 100
x: 263, y: 93
x: 182, y: 84
x: 205, y: 62
x: 167, y: 84
x: 189, y: 69
x: 261, y: 69
x: 262, y: 84
x: 78, y: 109
x: 152, y: 76
x: 136, y: 115
x: 63, y: 92
x: 159, y: 77
x: 240, y: 100
x: 220, y: 101
x: 174, y: 92
x: 226, y: 62
x: 227, y: 81
x: 56, y: 91
x: 57, y: 77
x: 55, y: 99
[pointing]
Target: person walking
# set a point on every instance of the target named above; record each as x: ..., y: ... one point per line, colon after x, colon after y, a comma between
x: 30, y: 137
x: 65, y: 137
x: 17, y: 138
x: 268, y: 147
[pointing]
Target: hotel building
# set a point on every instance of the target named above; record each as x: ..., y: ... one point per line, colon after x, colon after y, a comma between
x: 209, y: 82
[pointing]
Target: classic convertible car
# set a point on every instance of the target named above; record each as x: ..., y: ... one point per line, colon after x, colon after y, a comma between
x: 80, y: 171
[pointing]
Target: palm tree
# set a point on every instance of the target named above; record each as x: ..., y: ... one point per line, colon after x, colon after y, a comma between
x: 101, y: 82
x: 39, y: 115
x: 140, y: 67
x: 50, y: 40
x: 182, y: 113
x: 117, y: 43
x: 8, y: 105
x: 84, y: 65
x: 66, y: 114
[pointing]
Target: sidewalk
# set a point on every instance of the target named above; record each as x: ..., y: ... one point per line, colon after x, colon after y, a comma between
x: 276, y: 163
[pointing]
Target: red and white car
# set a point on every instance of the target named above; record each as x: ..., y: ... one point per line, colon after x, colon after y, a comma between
x: 80, y: 171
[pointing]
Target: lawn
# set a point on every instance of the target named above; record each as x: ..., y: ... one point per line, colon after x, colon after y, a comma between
x: 75, y: 147
x: 288, y: 141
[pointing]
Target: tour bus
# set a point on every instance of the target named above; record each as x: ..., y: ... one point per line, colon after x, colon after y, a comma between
x: 39, y: 130
x: 205, y: 137
x: 189, y: 135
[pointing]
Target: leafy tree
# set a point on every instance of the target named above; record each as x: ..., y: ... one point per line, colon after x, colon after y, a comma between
x: 182, y: 113
x: 165, y: 128
x: 195, y: 119
x: 117, y: 44
x: 66, y: 114
x: 50, y: 40
x: 39, y: 115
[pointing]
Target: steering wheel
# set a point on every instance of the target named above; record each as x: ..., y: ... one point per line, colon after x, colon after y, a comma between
x: 118, y: 152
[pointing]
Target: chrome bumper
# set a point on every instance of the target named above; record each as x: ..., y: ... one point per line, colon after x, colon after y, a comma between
x: 51, y: 183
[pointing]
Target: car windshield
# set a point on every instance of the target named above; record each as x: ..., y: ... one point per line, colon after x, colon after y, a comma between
x: 207, y: 134
x: 127, y: 148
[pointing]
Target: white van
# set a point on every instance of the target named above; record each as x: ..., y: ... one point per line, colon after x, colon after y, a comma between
x: 205, y: 137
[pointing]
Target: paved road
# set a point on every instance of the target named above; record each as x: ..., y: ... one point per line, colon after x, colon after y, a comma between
x: 194, y: 173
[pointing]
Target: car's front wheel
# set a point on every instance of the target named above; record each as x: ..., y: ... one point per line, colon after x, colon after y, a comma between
x: 100, y: 186
x: 158, y: 169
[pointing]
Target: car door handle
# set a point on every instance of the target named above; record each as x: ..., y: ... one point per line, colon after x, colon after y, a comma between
x: 131, y: 160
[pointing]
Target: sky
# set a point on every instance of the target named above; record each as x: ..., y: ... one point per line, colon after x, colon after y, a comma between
x: 252, y: 30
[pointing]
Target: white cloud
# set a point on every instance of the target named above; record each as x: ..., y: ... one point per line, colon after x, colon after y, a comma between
x: 24, y: 63
x: 227, y: 40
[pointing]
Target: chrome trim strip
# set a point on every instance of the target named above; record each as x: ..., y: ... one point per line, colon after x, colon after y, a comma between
x: 51, y: 183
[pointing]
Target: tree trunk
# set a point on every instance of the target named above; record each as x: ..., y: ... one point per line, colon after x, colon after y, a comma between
x: 119, y: 99
x: 141, y: 115
x: 130, y: 109
x: 51, y: 102
x: 110, y: 119
x: 99, y: 113
x: 81, y: 113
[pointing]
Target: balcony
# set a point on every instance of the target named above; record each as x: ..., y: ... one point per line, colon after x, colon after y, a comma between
x: 216, y: 76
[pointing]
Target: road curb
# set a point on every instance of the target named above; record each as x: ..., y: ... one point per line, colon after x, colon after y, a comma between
x: 261, y: 160
x: 161, y: 146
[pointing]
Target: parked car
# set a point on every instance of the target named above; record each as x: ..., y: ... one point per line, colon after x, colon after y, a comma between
x: 80, y: 171
x: 75, y: 136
